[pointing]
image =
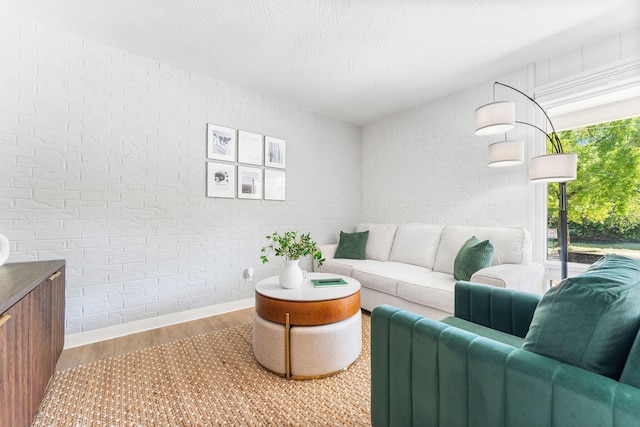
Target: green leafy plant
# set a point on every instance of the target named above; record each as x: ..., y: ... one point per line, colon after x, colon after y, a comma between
x: 292, y: 246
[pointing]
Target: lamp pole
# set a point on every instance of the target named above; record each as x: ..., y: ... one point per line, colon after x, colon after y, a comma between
x: 564, y: 231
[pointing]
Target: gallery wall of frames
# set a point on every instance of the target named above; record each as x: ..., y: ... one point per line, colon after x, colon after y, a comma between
x: 245, y: 164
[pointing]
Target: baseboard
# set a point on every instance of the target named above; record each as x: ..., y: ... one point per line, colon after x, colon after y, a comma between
x: 110, y: 332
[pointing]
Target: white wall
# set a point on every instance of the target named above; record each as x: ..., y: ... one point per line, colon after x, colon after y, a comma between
x: 588, y: 58
x: 103, y: 164
x: 427, y: 165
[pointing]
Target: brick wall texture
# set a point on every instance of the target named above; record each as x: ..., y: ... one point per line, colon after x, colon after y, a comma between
x: 102, y: 163
x: 427, y: 165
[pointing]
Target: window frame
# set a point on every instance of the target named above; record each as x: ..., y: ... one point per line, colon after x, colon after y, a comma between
x: 600, y: 83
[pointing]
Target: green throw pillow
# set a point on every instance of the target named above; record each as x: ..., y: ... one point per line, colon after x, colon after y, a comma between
x: 474, y: 255
x: 591, y: 320
x: 352, y: 245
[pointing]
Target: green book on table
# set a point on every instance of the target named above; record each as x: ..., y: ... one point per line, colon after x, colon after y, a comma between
x: 321, y: 283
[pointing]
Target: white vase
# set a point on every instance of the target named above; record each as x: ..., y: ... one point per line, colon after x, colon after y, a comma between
x: 291, y: 276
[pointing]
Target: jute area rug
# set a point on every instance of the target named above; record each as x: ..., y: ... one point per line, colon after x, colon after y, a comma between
x: 207, y: 380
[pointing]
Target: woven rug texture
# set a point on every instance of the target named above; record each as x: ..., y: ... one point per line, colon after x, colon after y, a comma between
x: 207, y: 380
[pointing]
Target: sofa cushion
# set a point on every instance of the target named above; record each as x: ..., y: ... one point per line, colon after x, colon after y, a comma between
x: 416, y: 244
x: 474, y: 255
x: 432, y: 290
x: 380, y: 240
x: 384, y: 284
x: 512, y: 245
x: 384, y: 276
x: 352, y: 245
x: 591, y: 320
x: 342, y: 266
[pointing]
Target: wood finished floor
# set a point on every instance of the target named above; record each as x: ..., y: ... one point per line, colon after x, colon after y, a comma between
x: 83, y: 355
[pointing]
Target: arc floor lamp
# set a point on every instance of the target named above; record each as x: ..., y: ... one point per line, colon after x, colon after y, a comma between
x: 499, y: 117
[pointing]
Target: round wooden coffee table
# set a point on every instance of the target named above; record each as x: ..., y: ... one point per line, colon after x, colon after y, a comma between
x: 309, y: 332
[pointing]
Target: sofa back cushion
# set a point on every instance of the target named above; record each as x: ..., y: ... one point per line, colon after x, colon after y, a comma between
x: 512, y: 245
x: 380, y: 240
x: 590, y: 320
x: 416, y: 244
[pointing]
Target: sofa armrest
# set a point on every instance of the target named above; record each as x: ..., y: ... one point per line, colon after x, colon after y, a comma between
x: 328, y: 253
x: 328, y: 250
x: 521, y: 277
x: 504, y: 310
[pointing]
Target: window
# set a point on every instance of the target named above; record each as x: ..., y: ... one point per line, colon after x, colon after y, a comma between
x: 597, y: 97
x: 604, y: 201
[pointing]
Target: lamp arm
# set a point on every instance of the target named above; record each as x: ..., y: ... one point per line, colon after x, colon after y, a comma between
x: 553, y: 137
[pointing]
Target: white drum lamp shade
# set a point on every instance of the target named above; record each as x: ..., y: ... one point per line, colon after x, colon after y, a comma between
x: 506, y: 153
x: 554, y: 168
x: 497, y: 117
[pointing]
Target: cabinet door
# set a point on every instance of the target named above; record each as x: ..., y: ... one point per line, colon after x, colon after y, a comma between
x: 40, y: 348
x: 14, y: 366
x: 57, y: 313
x: 46, y: 334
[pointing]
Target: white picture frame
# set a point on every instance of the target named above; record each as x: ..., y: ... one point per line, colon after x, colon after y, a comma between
x: 275, y: 184
x: 250, y: 148
x: 249, y: 182
x: 275, y: 152
x: 221, y: 143
x: 221, y: 180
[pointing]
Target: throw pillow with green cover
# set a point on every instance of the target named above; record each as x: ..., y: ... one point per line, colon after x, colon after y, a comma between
x: 352, y: 245
x: 590, y: 320
x: 474, y: 255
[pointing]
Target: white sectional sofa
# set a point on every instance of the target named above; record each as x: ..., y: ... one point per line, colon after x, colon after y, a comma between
x: 410, y: 266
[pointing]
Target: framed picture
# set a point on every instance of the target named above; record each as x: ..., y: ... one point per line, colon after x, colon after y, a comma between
x: 249, y: 183
x: 221, y: 143
x: 274, y: 185
x: 250, y: 148
x: 221, y: 180
x: 275, y: 152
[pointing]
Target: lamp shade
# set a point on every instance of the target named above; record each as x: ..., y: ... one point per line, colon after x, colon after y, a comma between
x: 506, y: 153
x: 497, y: 117
x: 554, y: 168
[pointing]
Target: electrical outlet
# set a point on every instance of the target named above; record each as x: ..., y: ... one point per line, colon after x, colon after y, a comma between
x: 247, y: 274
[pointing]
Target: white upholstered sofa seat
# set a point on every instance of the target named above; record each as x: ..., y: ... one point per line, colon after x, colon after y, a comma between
x: 433, y: 291
x: 385, y: 276
x: 411, y: 265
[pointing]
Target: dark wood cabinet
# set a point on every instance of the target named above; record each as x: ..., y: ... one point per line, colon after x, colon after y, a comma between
x: 31, y: 335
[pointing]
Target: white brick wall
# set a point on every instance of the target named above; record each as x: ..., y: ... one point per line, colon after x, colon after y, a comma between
x: 102, y: 163
x: 427, y: 165
x: 593, y: 56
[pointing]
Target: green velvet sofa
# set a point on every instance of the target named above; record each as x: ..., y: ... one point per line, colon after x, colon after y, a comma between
x: 469, y: 370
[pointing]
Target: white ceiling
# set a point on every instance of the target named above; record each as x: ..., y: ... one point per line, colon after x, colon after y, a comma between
x: 354, y: 60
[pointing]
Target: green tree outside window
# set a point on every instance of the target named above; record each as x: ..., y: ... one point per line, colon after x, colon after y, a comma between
x: 604, y: 200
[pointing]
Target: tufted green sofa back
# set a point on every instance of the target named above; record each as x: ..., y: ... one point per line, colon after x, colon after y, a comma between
x: 429, y: 373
